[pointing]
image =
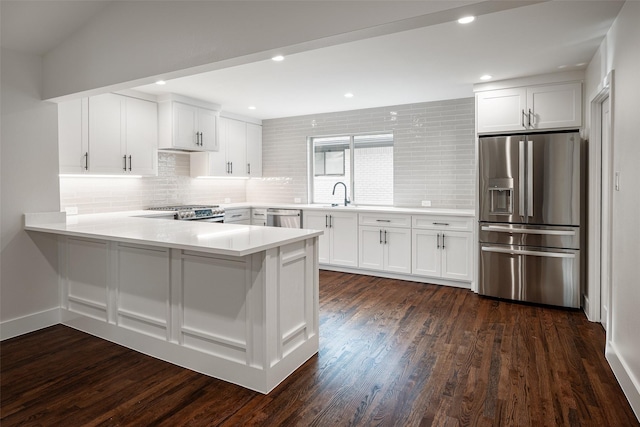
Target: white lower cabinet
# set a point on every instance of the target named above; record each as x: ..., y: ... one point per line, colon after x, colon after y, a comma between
x: 385, y: 249
x: 385, y: 242
x: 339, y: 243
x: 258, y: 216
x: 440, y: 249
x: 238, y: 216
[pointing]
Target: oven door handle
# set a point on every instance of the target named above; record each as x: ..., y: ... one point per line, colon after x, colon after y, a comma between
x: 499, y: 229
x: 526, y: 252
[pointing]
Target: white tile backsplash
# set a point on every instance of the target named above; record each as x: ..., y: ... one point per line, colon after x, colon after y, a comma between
x: 434, y: 152
x: 172, y: 186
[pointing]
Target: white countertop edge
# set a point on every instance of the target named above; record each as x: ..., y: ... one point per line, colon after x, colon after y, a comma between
x: 358, y: 209
x: 56, y: 223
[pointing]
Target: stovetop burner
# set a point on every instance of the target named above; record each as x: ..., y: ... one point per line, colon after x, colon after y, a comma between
x: 192, y: 212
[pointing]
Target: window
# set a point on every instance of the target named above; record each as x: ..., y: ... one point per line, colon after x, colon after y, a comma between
x: 364, y: 163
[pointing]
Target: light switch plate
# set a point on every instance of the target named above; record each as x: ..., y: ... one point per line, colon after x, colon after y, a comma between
x: 297, y: 200
x: 426, y: 203
x: 71, y: 210
x: 617, y: 181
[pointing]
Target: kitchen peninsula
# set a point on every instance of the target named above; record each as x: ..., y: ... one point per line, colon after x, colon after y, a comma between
x: 236, y: 302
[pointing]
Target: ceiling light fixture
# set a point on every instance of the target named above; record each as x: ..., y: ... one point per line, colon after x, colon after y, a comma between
x: 466, y: 19
x: 252, y: 107
x: 486, y: 77
x: 161, y: 82
x: 278, y: 58
x: 348, y: 95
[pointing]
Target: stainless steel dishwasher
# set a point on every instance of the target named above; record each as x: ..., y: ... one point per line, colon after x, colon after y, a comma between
x: 289, y: 218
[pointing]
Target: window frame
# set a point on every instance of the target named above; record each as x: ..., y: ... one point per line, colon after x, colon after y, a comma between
x: 311, y: 161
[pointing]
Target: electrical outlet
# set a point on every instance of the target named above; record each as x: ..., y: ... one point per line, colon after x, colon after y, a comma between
x: 426, y: 203
x: 227, y: 200
x: 71, y: 210
x: 297, y: 200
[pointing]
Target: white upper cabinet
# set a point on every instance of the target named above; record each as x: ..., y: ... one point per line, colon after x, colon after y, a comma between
x: 501, y: 110
x: 553, y: 106
x: 187, y: 127
x: 254, y: 150
x: 108, y: 134
x: 106, y: 130
x: 123, y: 135
x: 239, y: 153
x: 73, y: 136
x: 235, y: 142
x: 141, y: 136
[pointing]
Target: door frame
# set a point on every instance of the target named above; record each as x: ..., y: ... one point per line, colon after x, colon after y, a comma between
x: 600, y: 198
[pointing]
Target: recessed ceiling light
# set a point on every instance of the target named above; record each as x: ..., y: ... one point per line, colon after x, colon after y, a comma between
x: 278, y: 58
x: 252, y: 107
x: 348, y: 95
x: 466, y: 19
x: 161, y: 82
x: 562, y: 66
x: 486, y: 77
x: 581, y: 64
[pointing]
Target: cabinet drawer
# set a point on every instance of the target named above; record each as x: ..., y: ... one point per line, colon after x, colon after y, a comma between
x: 385, y: 220
x: 259, y: 214
x: 236, y: 215
x: 442, y: 222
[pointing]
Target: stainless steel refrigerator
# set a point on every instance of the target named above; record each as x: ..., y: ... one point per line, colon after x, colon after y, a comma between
x: 530, y: 217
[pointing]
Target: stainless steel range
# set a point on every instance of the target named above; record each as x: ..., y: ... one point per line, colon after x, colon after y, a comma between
x: 211, y: 213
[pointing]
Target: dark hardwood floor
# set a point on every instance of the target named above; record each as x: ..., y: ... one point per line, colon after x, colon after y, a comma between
x: 391, y: 353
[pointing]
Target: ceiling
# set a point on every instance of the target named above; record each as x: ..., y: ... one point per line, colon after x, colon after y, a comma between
x: 426, y: 64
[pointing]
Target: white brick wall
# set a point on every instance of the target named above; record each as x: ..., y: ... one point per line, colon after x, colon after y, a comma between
x: 172, y: 186
x: 433, y: 152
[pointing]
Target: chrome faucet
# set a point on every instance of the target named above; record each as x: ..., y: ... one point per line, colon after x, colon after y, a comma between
x: 346, y: 199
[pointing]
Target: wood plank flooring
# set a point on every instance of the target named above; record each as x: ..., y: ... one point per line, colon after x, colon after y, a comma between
x: 392, y: 353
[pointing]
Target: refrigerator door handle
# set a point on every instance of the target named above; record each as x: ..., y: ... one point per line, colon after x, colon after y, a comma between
x: 521, y: 179
x: 532, y: 253
x: 499, y: 229
x: 530, y: 178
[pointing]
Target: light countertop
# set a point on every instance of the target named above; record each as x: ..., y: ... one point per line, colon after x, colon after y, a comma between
x: 356, y: 208
x: 153, y: 228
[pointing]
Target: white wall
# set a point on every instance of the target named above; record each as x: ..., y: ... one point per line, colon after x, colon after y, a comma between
x: 620, y: 52
x: 28, y: 278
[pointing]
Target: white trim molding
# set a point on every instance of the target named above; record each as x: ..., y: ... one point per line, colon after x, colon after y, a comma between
x: 629, y: 384
x: 598, y: 155
x: 30, y: 323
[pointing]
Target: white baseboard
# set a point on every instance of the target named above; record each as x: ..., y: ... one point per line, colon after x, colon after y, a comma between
x: 33, y: 322
x: 398, y: 276
x: 629, y: 384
